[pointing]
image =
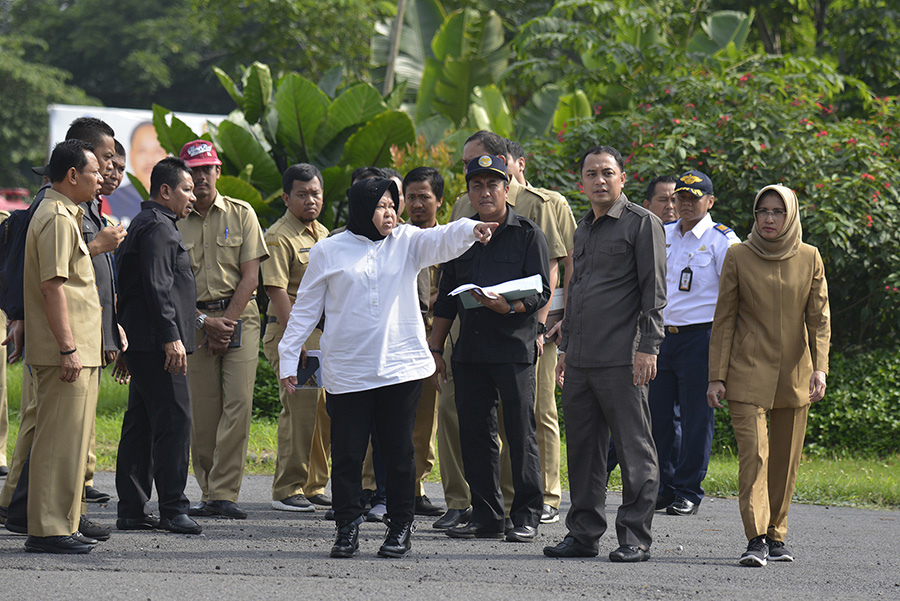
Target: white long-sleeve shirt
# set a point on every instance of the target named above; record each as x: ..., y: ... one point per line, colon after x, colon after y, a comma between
x: 374, y: 335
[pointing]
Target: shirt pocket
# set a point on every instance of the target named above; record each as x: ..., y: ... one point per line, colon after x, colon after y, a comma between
x: 229, y: 248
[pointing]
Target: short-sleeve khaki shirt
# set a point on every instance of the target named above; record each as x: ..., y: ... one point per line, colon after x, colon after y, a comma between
x: 228, y: 236
x: 289, y: 241
x: 55, y: 248
x: 535, y: 206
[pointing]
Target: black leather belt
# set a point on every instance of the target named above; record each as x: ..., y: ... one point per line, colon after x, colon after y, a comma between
x: 217, y: 305
x: 691, y: 328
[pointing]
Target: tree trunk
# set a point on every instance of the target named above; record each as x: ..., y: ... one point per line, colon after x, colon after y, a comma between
x: 394, y: 51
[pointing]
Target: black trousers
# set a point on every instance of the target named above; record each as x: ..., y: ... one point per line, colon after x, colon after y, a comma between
x: 479, y: 390
x: 392, y: 411
x: 156, y: 436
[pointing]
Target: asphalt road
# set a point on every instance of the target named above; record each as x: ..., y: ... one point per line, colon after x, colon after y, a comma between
x: 841, y: 553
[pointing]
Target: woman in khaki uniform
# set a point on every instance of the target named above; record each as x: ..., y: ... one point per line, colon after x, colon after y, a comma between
x: 769, y: 354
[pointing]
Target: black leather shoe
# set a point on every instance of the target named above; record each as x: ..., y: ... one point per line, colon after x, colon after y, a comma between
x: 200, y: 510
x: 521, y: 534
x: 453, y: 517
x: 4, y: 471
x: 474, y: 530
x: 16, y: 527
x: 663, y: 501
x: 147, y: 522
x: 397, y: 540
x: 92, y: 495
x: 226, y: 509
x: 85, y: 539
x: 569, y: 547
x: 92, y: 529
x: 630, y: 554
x: 424, y: 506
x: 682, y: 506
x: 346, y: 539
x: 65, y: 545
x: 180, y: 524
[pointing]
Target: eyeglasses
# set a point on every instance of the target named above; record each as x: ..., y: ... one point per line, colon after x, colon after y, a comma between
x: 763, y: 213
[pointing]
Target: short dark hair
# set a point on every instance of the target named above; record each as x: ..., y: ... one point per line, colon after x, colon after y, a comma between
x: 65, y: 155
x: 492, y: 143
x: 659, y: 179
x: 390, y: 172
x: 615, y: 154
x: 90, y: 130
x: 515, y: 150
x: 426, y: 174
x: 120, y: 150
x: 303, y: 172
x: 362, y: 173
x: 167, y: 171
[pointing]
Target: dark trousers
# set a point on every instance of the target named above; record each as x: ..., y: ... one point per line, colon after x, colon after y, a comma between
x: 156, y: 436
x: 598, y: 402
x: 392, y: 411
x: 681, y: 380
x: 479, y: 390
x: 666, y: 464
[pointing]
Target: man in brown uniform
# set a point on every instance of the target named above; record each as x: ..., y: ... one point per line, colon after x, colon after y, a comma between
x: 225, y: 242
x: 304, y: 430
x: 63, y: 348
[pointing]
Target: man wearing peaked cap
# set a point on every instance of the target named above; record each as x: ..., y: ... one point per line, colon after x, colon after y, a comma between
x: 695, y: 251
x: 225, y: 242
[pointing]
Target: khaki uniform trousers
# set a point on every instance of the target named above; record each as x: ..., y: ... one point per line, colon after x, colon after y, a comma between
x: 221, y: 408
x: 23, y: 440
x: 64, y: 413
x: 424, y: 431
x: 304, y: 430
x: 768, y: 464
x: 453, y: 475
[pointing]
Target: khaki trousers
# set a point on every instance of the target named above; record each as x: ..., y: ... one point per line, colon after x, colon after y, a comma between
x: 221, y: 408
x: 768, y: 464
x: 453, y: 476
x: 424, y: 431
x: 63, y: 420
x: 23, y: 440
x: 304, y: 430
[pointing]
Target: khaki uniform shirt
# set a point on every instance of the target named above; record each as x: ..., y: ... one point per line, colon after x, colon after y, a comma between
x: 218, y: 244
x: 55, y: 248
x: 537, y: 205
x: 288, y: 242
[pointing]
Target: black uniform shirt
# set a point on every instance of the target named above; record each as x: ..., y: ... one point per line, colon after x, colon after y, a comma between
x: 518, y: 249
x: 157, y: 294
x: 91, y: 225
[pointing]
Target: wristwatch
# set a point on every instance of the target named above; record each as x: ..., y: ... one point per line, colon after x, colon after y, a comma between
x: 201, y: 319
x: 542, y: 327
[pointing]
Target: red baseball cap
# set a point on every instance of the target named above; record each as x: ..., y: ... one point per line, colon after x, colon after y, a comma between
x: 199, y: 152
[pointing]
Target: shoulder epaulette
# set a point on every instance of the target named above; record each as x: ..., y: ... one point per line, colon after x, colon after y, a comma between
x: 723, y: 229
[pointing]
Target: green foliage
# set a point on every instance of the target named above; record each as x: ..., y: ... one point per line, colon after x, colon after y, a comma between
x: 266, y: 402
x: 26, y: 89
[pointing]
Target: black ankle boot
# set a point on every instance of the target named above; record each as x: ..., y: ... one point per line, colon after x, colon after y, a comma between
x: 397, y: 540
x: 346, y: 539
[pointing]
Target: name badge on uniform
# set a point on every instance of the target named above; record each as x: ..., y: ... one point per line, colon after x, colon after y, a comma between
x: 684, y: 284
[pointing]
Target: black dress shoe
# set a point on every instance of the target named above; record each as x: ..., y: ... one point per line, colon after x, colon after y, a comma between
x: 147, y: 522
x: 569, y: 547
x: 630, y: 554
x: 453, y: 517
x: 180, y: 524
x: 85, y: 539
x: 346, y: 539
x: 92, y: 529
x: 475, y: 530
x: 16, y: 527
x: 521, y: 534
x: 226, y: 509
x: 329, y: 515
x: 663, y: 501
x: 92, y: 495
x: 682, y: 506
x: 424, y: 506
x: 200, y: 509
x: 65, y: 545
x: 4, y: 471
x: 397, y: 540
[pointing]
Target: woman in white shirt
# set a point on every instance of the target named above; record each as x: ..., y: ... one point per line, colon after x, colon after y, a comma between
x: 374, y: 353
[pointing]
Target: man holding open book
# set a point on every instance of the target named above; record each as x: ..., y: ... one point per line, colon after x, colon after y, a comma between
x: 495, y: 356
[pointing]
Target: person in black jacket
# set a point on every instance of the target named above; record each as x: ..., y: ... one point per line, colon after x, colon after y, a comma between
x: 157, y: 296
x: 494, y: 358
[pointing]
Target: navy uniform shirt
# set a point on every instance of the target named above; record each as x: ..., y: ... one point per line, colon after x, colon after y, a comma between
x: 157, y: 294
x: 517, y: 249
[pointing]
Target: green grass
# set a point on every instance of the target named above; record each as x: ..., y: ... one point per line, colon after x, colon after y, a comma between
x: 850, y: 481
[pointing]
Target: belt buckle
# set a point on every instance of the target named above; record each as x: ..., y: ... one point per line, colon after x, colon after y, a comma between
x: 672, y: 329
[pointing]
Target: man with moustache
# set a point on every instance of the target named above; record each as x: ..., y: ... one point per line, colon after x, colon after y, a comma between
x: 304, y: 429
x: 610, y: 338
x: 63, y: 349
x: 156, y: 305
